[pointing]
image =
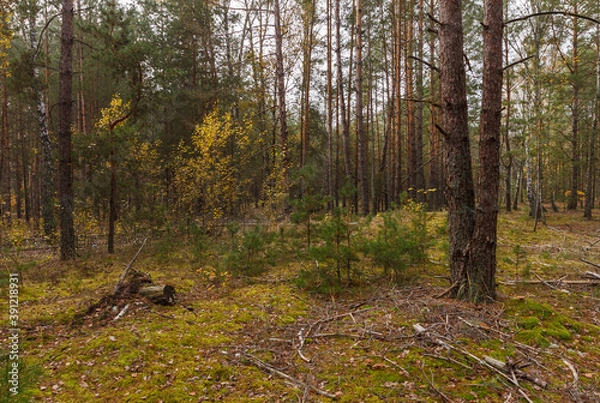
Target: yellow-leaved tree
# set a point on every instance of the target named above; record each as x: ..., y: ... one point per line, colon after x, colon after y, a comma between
x: 209, y: 174
x: 112, y: 122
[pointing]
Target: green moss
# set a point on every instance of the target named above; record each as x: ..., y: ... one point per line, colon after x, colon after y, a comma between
x: 528, y: 322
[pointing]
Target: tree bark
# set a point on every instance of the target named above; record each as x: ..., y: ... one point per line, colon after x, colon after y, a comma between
x: 281, y: 103
x: 575, y: 169
x: 6, y: 174
x: 361, y: 139
x: 591, y: 170
x: 459, y: 192
x: 482, y: 252
x: 341, y: 98
x: 47, y: 168
x: 65, y: 170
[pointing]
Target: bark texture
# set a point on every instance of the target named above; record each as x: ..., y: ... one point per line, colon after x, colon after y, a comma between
x: 459, y: 192
x: 65, y: 164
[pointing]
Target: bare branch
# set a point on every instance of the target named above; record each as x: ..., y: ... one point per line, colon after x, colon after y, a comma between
x: 426, y: 63
x: 544, y: 13
x: 517, y: 62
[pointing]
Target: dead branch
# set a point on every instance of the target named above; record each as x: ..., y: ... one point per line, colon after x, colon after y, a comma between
x: 516, y: 62
x: 591, y: 274
x: 550, y: 285
x: 395, y: 364
x: 435, y: 389
x: 543, y: 13
x: 568, y: 282
x: 128, y: 268
x: 590, y: 263
x: 512, y: 370
x: 573, y: 371
x: 296, y: 382
x: 120, y: 315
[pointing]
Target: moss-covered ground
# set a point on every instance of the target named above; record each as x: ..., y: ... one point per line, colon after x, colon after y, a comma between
x: 244, y: 329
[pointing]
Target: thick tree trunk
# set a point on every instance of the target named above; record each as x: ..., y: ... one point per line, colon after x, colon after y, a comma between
x: 459, y: 192
x: 65, y: 173
x: 482, y: 285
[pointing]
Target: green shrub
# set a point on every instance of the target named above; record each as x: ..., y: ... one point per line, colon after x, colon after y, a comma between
x: 250, y: 257
x: 397, y: 245
x: 334, y: 252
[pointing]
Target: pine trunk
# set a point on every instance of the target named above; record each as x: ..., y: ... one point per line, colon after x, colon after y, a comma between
x: 459, y: 192
x: 65, y: 173
x: 482, y: 270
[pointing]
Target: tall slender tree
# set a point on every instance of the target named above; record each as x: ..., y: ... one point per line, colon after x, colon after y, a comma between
x: 65, y: 163
x: 361, y: 136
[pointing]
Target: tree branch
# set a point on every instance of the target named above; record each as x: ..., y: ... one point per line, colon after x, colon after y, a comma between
x: 426, y: 63
x: 517, y: 62
x: 544, y: 13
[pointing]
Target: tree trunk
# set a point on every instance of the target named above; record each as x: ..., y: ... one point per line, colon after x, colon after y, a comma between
x: 459, y: 190
x: 332, y: 190
x: 435, y: 198
x: 398, y: 177
x: 6, y: 174
x: 308, y: 20
x: 65, y: 173
x: 575, y: 169
x: 482, y: 283
x: 281, y: 103
x: 361, y: 139
x: 591, y: 170
x: 341, y: 98
x: 419, y: 92
x: 508, y: 164
x: 47, y: 167
x: 112, y: 201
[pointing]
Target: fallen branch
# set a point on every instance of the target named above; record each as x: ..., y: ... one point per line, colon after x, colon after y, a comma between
x: 594, y: 281
x: 497, y: 368
x: 296, y: 382
x: 514, y: 369
x: 559, y: 281
x: 592, y: 275
x: 128, y: 268
x: 435, y: 389
x: 573, y: 371
x: 120, y: 315
x: 590, y: 263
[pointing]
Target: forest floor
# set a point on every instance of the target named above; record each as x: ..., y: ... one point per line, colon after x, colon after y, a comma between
x: 262, y: 338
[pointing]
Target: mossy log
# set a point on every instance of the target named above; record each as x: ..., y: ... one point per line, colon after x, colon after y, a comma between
x: 162, y: 294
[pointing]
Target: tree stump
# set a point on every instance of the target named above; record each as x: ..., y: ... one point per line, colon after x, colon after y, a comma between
x: 162, y: 294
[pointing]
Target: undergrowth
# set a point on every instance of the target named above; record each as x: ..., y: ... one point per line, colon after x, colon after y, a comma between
x: 337, y: 313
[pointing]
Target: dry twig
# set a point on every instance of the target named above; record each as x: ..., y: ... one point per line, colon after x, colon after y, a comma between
x: 296, y: 382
